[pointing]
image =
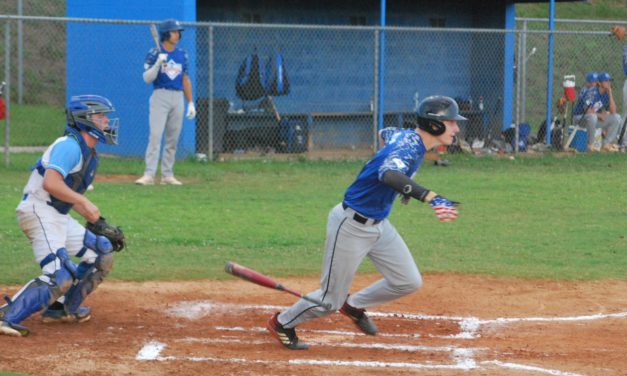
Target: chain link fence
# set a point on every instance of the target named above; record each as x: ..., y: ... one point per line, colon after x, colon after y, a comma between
x: 580, y: 47
x: 322, y: 101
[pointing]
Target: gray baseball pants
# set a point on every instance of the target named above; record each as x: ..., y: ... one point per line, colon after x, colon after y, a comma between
x: 347, y: 243
x: 166, y: 113
x: 590, y: 122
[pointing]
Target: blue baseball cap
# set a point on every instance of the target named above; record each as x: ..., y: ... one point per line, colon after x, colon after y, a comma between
x: 592, y: 77
x: 604, y: 76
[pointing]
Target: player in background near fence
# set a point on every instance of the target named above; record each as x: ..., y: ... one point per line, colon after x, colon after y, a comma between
x: 358, y: 226
x: 167, y: 70
x: 596, y: 108
x: 56, y: 185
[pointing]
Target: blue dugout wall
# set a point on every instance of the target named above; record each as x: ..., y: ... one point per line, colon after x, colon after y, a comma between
x: 459, y: 71
x: 110, y: 62
x: 457, y: 65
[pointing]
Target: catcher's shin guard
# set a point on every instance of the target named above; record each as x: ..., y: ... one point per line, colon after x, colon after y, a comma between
x: 92, y: 276
x: 36, y: 295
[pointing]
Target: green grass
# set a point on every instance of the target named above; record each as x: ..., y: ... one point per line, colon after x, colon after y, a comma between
x: 33, y: 125
x: 584, y: 10
x: 536, y: 217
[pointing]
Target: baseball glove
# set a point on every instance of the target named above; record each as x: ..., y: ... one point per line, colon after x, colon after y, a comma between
x: 113, y: 233
x: 618, y: 31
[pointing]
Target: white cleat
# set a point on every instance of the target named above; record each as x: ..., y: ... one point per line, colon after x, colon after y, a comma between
x: 13, y: 330
x: 171, y: 180
x: 145, y: 180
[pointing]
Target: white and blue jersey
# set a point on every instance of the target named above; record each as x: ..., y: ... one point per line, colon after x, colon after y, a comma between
x: 590, y: 98
x: 170, y: 76
x: 403, y: 152
x: 70, y: 157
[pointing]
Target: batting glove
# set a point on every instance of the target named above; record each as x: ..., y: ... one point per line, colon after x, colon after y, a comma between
x: 161, y: 59
x: 444, y: 209
x: 191, y: 111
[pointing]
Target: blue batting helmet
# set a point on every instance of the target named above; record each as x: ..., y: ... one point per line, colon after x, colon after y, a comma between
x: 433, y: 110
x: 604, y: 76
x: 79, y: 116
x: 592, y: 77
x: 169, y: 25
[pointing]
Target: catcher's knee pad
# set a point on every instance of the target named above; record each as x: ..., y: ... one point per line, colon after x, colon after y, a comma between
x: 91, y: 276
x: 97, y: 243
x: 36, y: 295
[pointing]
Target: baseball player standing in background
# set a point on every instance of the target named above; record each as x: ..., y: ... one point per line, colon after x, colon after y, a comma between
x: 167, y: 70
x: 56, y: 185
x: 358, y: 227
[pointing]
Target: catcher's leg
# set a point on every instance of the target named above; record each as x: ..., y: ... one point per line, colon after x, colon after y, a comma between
x: 95, y: 253
x: 90, y: 277
x: 36, y: 295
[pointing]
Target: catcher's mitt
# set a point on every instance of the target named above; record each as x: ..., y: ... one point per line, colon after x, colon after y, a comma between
x: 113, y: 233
x: 618, y: 31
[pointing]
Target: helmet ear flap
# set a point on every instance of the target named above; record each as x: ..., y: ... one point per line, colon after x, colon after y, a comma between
x: 431, y: 126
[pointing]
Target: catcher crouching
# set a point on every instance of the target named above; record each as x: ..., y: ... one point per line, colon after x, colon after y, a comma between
x: 56, y: 185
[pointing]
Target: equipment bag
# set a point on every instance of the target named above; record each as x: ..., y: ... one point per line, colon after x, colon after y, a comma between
x: 293, y: 135
x: 248, y: 84
x: 276, y: 83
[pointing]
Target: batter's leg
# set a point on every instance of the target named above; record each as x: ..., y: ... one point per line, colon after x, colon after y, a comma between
x: 159, y: 109
x: 347, y: 243
x: 393, y: 259
x: 172, y: 131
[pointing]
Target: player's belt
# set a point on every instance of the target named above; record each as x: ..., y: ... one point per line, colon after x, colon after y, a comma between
x: 360, y: 218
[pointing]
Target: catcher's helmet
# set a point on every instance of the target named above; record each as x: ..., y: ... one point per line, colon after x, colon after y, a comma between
x: 79, y: 116
x: 433, y: 110
x: 169, y: 25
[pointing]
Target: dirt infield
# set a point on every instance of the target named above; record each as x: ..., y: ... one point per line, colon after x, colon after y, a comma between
x: 457, y: 324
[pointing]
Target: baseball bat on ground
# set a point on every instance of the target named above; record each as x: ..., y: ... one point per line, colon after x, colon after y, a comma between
x: 265, y: 281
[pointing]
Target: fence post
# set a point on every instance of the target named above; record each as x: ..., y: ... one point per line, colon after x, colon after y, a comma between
x: 210, y: 96
x: 20, y: 53
x: 523, y: 75
x: 7, y: 90
x: 375, y: 94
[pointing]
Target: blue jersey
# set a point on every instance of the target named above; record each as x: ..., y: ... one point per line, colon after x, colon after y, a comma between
x: 170, y: 76
x: 586, y: 98
x: 589, y: 98
x: 403, y: 152
x: 625, y: 59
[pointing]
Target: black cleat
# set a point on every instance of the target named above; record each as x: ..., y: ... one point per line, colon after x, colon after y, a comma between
x: 360, y: 319
x: 287, y: 337
x: 51, y: 315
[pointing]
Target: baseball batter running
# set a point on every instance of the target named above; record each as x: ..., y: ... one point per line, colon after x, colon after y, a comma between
x: 167, y: 70
x: 56, y: 185
x: 358, y: 226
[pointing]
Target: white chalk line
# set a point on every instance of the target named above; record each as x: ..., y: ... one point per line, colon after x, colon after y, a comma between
x: 379, y: 346
x: 469, y: 325
x: 529, y: 368
x: 464, y: 361
x: 463, y: 357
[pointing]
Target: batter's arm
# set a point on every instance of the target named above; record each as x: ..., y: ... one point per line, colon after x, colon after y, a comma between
x: 407, y: 187
x: 187, y: 88
x: 55, y: 185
